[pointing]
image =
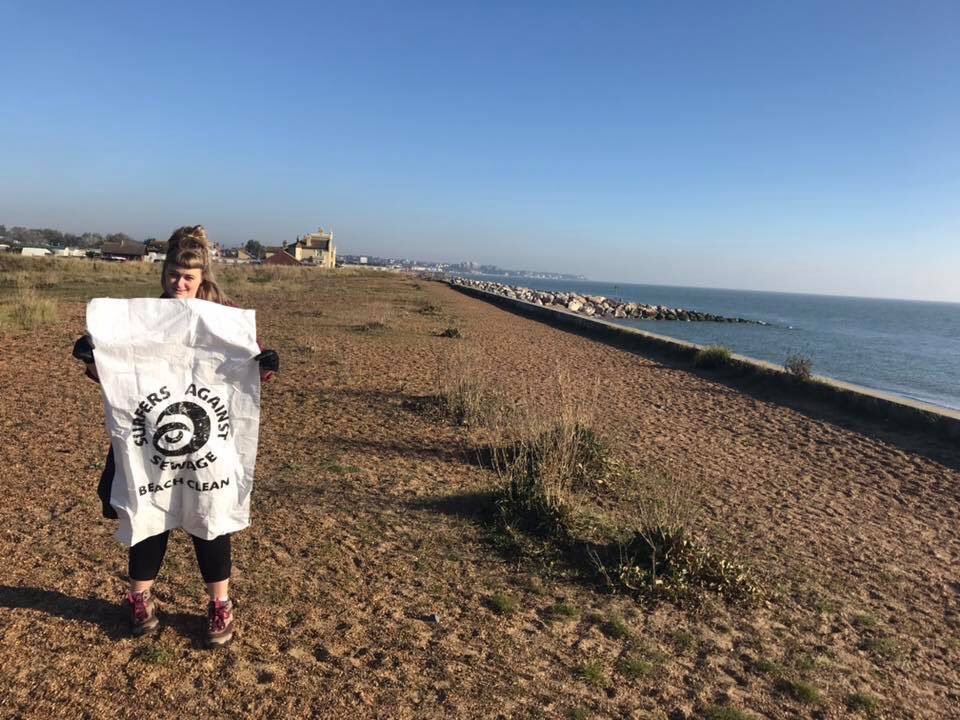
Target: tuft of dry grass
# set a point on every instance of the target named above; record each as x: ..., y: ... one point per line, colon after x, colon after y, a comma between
x: 29, y: 309
x: 592, y: 674
x: 503, y: 604
x: 464, y: 394
x: 546, y: 455
x: 712, y: 357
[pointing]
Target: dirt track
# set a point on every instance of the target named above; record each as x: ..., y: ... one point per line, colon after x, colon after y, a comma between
x: 364, y: 580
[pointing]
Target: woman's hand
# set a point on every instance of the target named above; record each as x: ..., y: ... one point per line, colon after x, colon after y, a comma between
x: 269, y: 363
x: 83, y: 351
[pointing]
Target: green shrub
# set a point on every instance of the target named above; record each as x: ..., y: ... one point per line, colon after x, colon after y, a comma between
x: 712, y: 357
x: 634, y: 667
x: 864, y: 621
x: 562, y: 611
x: 592, y: 674
x: 616, y: 628
x: 154, y: 654
x: 683, y: 640
x: 803, y: 692
x: 768, y: 667
x: 863, y: 703
x: 502, y: 604
x: 667, y: 563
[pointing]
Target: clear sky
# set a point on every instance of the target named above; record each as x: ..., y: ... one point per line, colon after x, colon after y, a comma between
x: 799, y: 146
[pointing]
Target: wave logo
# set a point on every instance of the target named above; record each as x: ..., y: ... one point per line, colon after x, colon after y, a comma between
x: 182, y: 429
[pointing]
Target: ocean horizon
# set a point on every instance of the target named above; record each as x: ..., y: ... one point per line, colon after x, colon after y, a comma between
x: 909, y: 348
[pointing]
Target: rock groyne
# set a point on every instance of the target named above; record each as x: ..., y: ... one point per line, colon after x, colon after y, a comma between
x: 597, y: 305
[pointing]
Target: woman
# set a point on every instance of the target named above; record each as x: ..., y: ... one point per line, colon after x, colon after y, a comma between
x: 187, y: 273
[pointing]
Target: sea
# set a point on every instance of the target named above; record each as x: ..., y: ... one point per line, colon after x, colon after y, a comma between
x: 905, y: 347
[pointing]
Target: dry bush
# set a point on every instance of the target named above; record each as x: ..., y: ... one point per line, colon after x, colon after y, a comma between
x: 665, y: 499
x: 547, y: 454
x: 799, y: 365
x: 712, y: 357
x: 463, y: 392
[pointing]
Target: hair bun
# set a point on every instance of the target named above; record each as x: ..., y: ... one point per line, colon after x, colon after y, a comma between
x: 189, y: 236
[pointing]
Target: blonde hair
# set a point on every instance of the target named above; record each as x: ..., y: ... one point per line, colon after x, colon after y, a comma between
x: 188, y: 247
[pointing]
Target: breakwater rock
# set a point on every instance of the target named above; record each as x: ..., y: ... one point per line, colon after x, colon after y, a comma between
x: 596, y: 305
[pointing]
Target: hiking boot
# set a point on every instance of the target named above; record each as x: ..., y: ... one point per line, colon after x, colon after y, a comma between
x: 219, y: 622
x: 143, y: 613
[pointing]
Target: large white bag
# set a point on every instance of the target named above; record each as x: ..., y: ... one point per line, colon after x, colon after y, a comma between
x: 182, y: 403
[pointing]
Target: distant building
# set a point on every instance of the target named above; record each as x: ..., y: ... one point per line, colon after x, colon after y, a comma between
x: 158, y: 247
x: 315, y: 249
x: 123, y: 251
x: 280, y: 258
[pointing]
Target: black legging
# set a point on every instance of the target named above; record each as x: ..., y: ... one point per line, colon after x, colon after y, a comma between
x: 213, y: 557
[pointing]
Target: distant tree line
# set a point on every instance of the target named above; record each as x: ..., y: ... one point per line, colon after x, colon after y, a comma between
x: 255, y: 249
x: 47, y: 237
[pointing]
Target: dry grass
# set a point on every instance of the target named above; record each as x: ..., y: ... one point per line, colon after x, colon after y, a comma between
x: 28, y: 309
x: 464, y: 392
x: 712, y: 357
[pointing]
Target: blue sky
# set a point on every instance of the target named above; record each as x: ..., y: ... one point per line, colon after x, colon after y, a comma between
x: 810, y: 147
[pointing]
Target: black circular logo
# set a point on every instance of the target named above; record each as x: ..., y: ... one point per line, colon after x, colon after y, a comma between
x: 182, y: 428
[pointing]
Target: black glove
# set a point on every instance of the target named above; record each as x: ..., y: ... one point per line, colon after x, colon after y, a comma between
x: 83, y: 349
x: 269, y: 361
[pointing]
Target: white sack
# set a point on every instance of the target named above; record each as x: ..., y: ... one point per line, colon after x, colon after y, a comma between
x: 182, y: 403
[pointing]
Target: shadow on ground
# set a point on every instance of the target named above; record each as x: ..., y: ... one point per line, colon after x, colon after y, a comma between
x: 108, y: 616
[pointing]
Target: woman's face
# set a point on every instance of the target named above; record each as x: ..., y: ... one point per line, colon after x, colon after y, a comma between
x: 182, y: 283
